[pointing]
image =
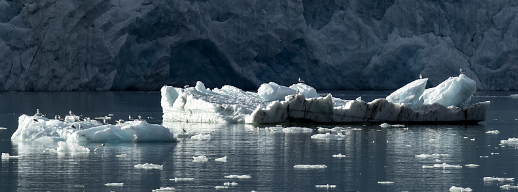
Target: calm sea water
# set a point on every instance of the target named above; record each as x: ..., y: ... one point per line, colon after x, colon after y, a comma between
x: 376, y: 159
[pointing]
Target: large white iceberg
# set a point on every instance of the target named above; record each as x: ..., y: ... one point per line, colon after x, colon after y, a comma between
x: 38, y: 128
x: 446, y: 103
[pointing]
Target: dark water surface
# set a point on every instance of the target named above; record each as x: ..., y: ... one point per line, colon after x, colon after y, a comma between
x: 376, y: 159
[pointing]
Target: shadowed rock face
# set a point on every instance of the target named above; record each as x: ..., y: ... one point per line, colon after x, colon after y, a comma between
x: 57, y: 45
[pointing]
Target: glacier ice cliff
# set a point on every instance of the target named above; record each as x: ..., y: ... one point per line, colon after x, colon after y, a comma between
x: 58, y: 45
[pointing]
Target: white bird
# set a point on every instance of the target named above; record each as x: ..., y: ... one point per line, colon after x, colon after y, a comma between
x: 37, y: 112
x: 130, y: 118
x: 140, y: 118
x: 420, y: 76
x: 186, y: 86
x: 70, y: 113
x: 102, y: 144
x: 300, y: 80
x: 461, y: 71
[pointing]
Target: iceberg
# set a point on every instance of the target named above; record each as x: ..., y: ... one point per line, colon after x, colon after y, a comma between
x: 272, y: 103
x: 38, y: 128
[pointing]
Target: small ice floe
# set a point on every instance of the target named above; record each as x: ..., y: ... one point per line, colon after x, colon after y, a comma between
x: 200, y: 159
x: 114, y: 184
x: 434, y: 155
x: 499, y: 179
x: 386, y: 125
x: 328, y: 136
x: 495, y: 153
x: 201, y: 136
x: 511, y: 142
x: 493, y: 132
x: 339, y: 155
x: 221, y: 187
x: 7, y: 156
x: 238, y: 177
x: 297, y: 130
x: 460, y: 189
x: 164, y: 189
x: 514, y: 96
x: 221, y: 159
x: 176, y: 179
x: 471, y: 165
x: 443, y: 165
x: 278, y: 128
x: 149, y: 166
x: 508, y: 187
x: 327, y: 186
x: 121, y: 155
x: 485, y: 156
x: 385, y: 182
x: 310, y: 166
x: 230, y: 184
x: 3, y: 128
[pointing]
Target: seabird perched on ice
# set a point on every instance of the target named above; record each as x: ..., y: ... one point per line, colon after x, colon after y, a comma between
x: 140, y: 118
x: 130, y: 118
x: 461, y: 71
x: 120, y: 121
x: 80, y: 126
x: 300, y: 80
x: 70, y: 113
x: 37, y: 112
x: 420, y: 76
x: 105, y: 121
x: 186, y: 86
x: 73, y: 126
x: 184, y: 131
x: 35, y: 120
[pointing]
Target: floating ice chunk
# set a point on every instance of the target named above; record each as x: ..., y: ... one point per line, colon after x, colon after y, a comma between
x: 508, y: 187
x: 408, y: 94
x: 221, y: 187
x: 200, y: 159
x: 443, y: 165
x: 499, y: 179
x: 435, y: 155
x: 164, y: 189
x: 221, y: 159
x: 230, y: 184
x: 514, y: 96
x: 238, y: 176
x: 7, y: 156
x: 121, y: 155
x: 3, y: 128
x: 176, y: 179
x: 455, y: 91
x: 149, y: 166
x: 327, y: 186
x: 386, y: 125
x: 328, y: 136
x: 297, y: 130
x: 460, y: 189
x: 306, y: 90
x: 232, y: 105
x: 385, y: 182
x: 38, y: 128
x: 494, y: 132
x: 274, y: 129
x: 471, y: 165
x: 114, y: 184
x: 310, y: 166
x: 511, y: 142
x: 324, y: 130
x: 339, y: 155
x: 65, y: 147
x: 201, y: 136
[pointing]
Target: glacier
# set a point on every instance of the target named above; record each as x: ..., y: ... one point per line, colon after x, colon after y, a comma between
x: 445, y: 103
x: 41, y: 129
x: 59, y: 45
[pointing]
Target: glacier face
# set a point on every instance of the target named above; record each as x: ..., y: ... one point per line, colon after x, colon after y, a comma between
x: 57, y: 45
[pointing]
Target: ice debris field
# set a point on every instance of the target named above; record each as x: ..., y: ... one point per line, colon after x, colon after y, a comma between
x: 273, y: 103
